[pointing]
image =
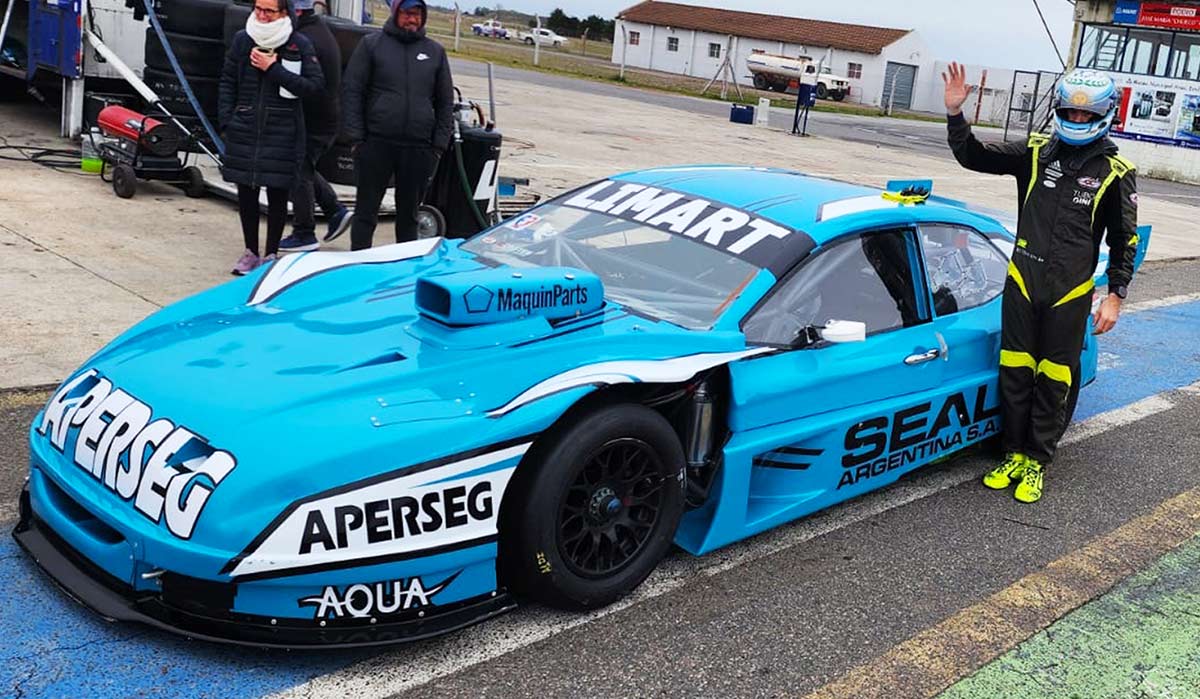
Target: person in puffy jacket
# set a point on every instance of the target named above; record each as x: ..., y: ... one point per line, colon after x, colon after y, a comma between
x: 268, y: 69
x: 398, y: 100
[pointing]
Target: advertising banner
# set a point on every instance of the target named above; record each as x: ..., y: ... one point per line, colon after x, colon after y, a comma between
x: 1158, y: 110
x: 1162, y: 15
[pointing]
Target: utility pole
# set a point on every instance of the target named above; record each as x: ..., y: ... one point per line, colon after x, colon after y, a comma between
x: 457, y: 26
x: 537, y: 41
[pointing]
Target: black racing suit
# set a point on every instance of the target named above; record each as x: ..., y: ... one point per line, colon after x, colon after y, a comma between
x: 1068, y: 196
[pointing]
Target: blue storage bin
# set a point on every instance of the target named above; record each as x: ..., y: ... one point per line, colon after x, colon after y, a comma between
x: 741, y: 114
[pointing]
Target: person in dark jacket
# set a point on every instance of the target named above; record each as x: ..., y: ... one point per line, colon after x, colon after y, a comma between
x: 268, y: 69
x: 399, y: 100
x: 322, y: 121
x: 1073, y: 186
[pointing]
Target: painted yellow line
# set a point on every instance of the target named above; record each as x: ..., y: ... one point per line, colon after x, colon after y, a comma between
x: 23, y: 398
x: 939, y: 656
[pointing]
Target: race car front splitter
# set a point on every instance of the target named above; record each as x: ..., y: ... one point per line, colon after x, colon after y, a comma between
x: 199, y: 609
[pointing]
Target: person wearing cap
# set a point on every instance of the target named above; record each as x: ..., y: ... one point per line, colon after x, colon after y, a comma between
x: 1073, y: 187
x: 398, y: 100
x: 322, y: 118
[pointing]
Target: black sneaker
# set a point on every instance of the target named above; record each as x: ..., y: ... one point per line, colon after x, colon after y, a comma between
x: 299, y: 242
x: 338, y: 223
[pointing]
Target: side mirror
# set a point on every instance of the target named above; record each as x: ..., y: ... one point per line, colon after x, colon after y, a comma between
x: 842, y: 331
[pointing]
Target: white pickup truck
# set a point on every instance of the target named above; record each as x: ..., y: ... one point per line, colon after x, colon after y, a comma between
x: 772, y: 72
x: 542, y: 37
x: 492, y: 27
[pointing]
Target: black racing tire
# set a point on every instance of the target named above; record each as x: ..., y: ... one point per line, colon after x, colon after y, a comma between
x: 168, y: 89
x: 236, y: 15
x: 197, y: 55
x: 124, y: 181
x: 579, y: 532
x: 761, y: 82
x: 193, y: 182
x: 822, y: 91
x: 431, y: 223
x: 204, y: 18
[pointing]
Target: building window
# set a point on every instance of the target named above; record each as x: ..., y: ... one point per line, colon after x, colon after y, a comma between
x: 1101, y: 47
x: 714, y: 50
x: 1146, y: 52
x: 672, y: 43
x: 854, y: 71
x: 1185, y: 57
x: 635, y: 38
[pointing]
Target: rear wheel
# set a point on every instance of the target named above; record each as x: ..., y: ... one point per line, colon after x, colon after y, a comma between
x: 760, y: 82
x: 124, y: 181
x: 596, y: 511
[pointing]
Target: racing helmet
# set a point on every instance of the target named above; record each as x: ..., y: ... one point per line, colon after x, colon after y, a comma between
x: 1089, y: 91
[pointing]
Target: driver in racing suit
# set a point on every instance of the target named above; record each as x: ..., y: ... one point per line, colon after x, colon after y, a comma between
x: 1072, y: 186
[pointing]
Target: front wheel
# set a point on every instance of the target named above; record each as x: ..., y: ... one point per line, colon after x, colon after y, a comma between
x: 591, y: 517
x: 822, y: 91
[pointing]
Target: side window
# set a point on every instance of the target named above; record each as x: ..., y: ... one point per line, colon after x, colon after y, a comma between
x: 965, y: 270
x: 867, y: 278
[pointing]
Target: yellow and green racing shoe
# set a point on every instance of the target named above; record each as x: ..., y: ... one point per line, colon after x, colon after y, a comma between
x: 1003, y: 475
x: 1029, y: 490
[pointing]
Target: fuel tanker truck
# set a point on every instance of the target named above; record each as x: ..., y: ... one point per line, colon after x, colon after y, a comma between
x: 774, y: 72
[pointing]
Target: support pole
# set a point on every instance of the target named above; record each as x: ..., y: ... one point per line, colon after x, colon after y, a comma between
x: 537, y: 41
x: 624, y: 49
x: 457, y: 27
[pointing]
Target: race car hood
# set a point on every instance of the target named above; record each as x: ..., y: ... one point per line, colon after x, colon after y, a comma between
x: 263, y: 397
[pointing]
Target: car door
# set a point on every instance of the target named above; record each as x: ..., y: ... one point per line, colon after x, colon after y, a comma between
x: 965, y: 274
x: 822, y: 421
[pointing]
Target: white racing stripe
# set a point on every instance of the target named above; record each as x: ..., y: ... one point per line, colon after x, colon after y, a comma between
x: 414, y: 665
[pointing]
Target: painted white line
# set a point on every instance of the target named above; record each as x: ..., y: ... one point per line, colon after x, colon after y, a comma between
x: 1161, y: 303
x: 414, y: 665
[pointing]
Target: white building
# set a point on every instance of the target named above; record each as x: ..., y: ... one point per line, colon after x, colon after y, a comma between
x: 692, y: 40
x: 1152, y: 51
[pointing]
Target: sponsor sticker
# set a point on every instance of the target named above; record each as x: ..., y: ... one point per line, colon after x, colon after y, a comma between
x: 374, y: 600
x: 1088, y: 183
x: 385, y: 518
x: 877, y: 445
x: 166, y: 471
x: 728, y: 229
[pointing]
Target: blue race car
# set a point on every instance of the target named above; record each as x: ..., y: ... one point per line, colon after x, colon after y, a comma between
x: 360, y: 448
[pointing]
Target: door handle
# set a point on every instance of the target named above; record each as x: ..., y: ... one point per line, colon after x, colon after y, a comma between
x: 914, y: 359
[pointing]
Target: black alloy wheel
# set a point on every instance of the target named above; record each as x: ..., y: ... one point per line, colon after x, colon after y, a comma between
x: 593, y: 508
x: 611, y: 508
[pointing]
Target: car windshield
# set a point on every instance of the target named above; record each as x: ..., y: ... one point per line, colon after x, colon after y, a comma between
x: 652, y: 272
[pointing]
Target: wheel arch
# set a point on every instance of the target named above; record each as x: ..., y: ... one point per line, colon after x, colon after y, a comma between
x: 668, y: 399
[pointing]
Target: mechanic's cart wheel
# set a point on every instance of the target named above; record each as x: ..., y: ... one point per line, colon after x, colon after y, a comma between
x: 193, y: 182
x: 124, y: 181
x: 595, y: 511
x: 430, y: 222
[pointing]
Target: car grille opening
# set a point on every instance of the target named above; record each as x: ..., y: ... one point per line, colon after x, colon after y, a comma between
x: 80, y: 516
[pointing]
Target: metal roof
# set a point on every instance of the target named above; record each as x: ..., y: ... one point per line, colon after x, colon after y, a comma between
x: 752, y: 25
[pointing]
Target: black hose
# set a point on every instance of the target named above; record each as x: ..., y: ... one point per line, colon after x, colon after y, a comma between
x: 466, y: 184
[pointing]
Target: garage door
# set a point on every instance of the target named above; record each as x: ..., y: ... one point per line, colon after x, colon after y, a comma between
x: 901, y: 76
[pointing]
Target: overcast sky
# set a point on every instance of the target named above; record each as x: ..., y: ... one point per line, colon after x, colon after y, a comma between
x: 1002, y: 33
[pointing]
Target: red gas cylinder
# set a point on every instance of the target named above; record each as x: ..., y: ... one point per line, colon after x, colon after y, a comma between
x: 153, y: 135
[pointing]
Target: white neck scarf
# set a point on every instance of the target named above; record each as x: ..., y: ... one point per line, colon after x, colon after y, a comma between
x: 269, y: 35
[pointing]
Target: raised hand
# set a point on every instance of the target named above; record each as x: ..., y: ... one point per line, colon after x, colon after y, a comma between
x: 957, y: 89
